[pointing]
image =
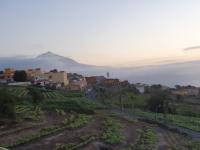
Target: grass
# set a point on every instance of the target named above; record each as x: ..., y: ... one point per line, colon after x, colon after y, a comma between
x: 186, y: 109
x: 82, y: 105
x: 128, y: 100
x: 74, y: 94
x: 192, y: 123
x: 187, y: 116
x: 136, y: 104
x: 193, y: 145
x: 111, y: 133
x: 79, y: 121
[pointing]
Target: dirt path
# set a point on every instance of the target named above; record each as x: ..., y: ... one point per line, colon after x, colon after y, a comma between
x: 163, y: 141
x: 168, y: 139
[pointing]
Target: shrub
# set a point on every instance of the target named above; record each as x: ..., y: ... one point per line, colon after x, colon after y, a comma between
x: 20, y: 76
x: 158, y: 102
x: 36, y: 95
x: 7, y: 104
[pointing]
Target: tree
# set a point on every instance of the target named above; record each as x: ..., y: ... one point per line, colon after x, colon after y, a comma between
x: 102, y: 94
x: 7, y: 104
x: 158, y: 101
x: 20, y: 76
x: 179, y: 98
x: 36, y: 95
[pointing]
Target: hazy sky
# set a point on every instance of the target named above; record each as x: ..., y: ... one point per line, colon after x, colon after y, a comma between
x: 102, y: 32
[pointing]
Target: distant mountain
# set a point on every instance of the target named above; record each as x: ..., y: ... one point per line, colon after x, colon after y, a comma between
x: 49, y: 61
x: 168, y: 74
x: 49, y: 56
x: 46, y: 61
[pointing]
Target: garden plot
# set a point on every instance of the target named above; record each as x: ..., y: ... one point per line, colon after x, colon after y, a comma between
x: 68, y: 137
x: 10, y: 134
x: 92, y: 132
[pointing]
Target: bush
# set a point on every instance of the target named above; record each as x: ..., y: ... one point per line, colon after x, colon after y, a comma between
x: 36, y: 95
x: 20, y: 76
x: 7, y: 104
x: 158, y: 102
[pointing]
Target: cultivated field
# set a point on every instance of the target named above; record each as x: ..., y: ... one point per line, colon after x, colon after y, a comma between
x: 72, y: 122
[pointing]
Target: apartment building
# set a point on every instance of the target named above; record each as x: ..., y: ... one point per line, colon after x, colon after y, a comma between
x: 56, y: 77
x: 33, y: 73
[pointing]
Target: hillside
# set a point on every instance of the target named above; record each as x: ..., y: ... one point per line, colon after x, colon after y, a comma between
x: 69, y: 122
x: 46, y: 61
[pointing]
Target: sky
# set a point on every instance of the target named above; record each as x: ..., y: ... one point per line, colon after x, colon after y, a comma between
x: 102, y: 32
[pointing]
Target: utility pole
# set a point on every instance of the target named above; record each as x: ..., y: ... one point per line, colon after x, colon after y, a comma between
x: 108, y: 74
x: 120, y: 97
x: 156, y: 113
x: 133, y: 108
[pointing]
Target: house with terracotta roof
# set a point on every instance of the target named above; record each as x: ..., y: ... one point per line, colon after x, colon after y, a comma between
x: 93, y: 80
x: 111, y: 82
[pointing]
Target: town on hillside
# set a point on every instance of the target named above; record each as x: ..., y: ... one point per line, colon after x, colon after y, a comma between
x: 54, y: 79
x: 61, y: 80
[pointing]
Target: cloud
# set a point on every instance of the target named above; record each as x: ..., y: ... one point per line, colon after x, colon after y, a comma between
x: 192, y: 48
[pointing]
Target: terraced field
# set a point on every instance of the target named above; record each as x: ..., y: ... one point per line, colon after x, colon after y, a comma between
x: 189, y: 122
x: 74, y: 122
x: 83, y: 132
x: 19, y: 91
x: 23, y: 92
x: 52, y: 95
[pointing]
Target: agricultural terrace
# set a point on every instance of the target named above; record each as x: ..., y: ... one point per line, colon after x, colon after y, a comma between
x: 47, y: 94
x: 186, y: 115
x: 72, y: 122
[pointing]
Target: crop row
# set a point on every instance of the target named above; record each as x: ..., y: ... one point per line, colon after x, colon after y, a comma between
x: 111, y: 133
x: 71, y: 123
x: 20, y: 92
x: 51, y: 95
x: 146, y: 141
x: 192, y: 123
x: 23, y: 92
x: 74, y: 146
